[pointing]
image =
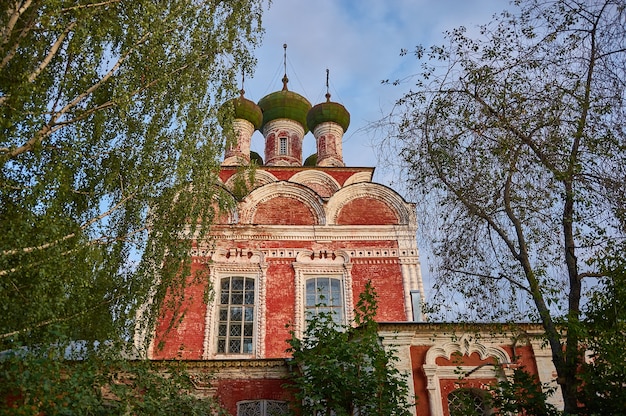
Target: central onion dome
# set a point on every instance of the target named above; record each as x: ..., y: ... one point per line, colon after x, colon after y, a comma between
x: 285, y: 104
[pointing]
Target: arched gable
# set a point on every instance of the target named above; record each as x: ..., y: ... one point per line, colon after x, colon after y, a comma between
x: 367, y: 203
x: 358, y: 177
x: 261, y: 178
x: 282, y: 203
x: 321, y: 182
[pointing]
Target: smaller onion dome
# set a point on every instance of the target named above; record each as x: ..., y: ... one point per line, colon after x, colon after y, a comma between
x: 285, y: 104
x: 246, y: 109
x: 328, y: 111
x: 311, y: 160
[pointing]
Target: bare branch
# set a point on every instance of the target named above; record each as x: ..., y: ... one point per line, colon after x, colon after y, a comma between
x: 487, y: 276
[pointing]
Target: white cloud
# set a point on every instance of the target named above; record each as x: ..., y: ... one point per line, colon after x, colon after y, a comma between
x: 359, y: 41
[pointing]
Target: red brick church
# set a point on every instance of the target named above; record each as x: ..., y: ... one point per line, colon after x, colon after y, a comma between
x: 314, y: 226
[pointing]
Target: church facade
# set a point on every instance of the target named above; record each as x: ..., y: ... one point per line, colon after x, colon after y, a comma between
x: 302, y: 229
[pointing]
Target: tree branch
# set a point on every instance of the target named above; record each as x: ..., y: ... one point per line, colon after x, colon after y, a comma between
x: 15, y: 15
x: 487, y: 276
x: 53, y: 51
x: 27, y: 250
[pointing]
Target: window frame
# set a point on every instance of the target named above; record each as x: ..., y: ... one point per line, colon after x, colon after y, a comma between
x: 224, y: 263
x: 283, y: 145
x: 228, y: 321
x: 330, y: 264
x: 314, y: 309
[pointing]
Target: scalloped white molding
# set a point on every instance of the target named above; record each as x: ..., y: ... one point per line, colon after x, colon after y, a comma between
x: 358, y: 177
x: 307, y: 177
x: 465, y: 345
x: 404, y: 211
x: 249, y: 206
x: 261, y: 177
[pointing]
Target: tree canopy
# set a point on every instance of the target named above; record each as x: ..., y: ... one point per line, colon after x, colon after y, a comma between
x: 513, y: 141
x: 344, y: 370
x: 107, y: 115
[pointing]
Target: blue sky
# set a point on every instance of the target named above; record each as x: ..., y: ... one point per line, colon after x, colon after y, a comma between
x: 359, y: 41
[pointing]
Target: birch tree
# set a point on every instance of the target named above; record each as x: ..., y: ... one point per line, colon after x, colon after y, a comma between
x: 107, y: 116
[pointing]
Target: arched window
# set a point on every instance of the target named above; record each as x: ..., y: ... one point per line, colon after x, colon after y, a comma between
x: 467, y: 402
x: 235, y: 333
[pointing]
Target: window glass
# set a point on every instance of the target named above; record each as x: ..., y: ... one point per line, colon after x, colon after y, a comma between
x: 235, y: 332
x: 324, y: 295
x: 283, y: 145
x: 467, y: 402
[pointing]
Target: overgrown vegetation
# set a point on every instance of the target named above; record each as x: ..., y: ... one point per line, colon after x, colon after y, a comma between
x: 344, y: 370
x: 108, y: 114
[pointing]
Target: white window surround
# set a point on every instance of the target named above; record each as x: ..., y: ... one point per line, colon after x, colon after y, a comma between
x: 331, y: 264
x: 466, y: 345
x: 228, y: 263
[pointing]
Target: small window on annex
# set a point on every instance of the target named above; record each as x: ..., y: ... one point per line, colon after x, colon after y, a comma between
x: 467, y: 402
x: 262, y: 408
x: 235, y: 333
x: 324, y: 295
x: 282, y: 145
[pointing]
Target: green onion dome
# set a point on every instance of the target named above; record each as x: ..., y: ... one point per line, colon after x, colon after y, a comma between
x: 328, y: 111
x: 247, y: 110
x: 285, y: 104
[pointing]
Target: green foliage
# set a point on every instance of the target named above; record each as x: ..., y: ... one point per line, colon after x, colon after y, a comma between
x: 604, y: 372
x: 522, y: 393
x: 514, y: 141
x: 346, y: 370
x: 41, y: 382
x: 108, y: 114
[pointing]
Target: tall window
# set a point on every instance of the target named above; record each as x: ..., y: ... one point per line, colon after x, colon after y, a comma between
x: 282, y: 145
x: 467, y: 402
x: 262, y: 408
x: 235, y: 334
x: 324, y: 295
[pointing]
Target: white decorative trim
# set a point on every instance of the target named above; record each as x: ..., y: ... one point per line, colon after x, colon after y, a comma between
x: 358, y: 178
x: 236, y: 262
x: 404, y: 211
x: 261, y: 178
x: 308, y: 177
x: 239, y: 153
x: 333, y: 264
x: 292, y: 128
x: 466, y: 345
x: 256, y: 198
x: 331, y: 152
